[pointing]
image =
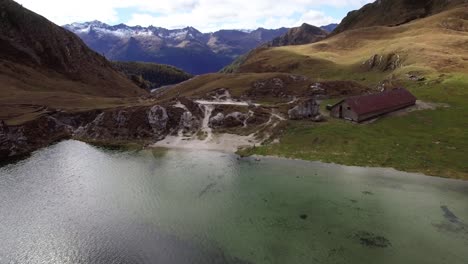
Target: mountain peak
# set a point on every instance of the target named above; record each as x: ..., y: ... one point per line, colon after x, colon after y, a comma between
x: 304, y: 34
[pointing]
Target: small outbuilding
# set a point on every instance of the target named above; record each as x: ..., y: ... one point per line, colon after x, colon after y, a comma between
x: 362, y: 108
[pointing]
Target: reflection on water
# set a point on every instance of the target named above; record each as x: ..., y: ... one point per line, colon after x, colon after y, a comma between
x: 74, y: 203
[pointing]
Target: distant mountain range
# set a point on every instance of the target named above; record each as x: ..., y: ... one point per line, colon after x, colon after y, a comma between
x: 186, y: 48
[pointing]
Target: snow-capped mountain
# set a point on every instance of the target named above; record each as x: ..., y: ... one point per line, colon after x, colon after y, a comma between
x: 186, y: 48
x: 124, y: 31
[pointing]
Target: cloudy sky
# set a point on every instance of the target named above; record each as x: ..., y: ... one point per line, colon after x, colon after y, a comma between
x: 205, y: 15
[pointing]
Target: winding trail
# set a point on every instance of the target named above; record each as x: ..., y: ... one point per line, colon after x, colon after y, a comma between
x: 221, y: 142
x: 225, y: 102
x: 206, y: 122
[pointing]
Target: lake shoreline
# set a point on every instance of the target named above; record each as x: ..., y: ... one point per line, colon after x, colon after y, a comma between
x: 209, y: 146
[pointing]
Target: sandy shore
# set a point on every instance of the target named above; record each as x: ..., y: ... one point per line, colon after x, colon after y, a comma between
x: 220, y: 142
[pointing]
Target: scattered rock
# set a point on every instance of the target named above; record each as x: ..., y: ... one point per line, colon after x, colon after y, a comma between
x: 317, y: 88
x: 221, y: 94
x: 297, y: 78
x: 416, y: 78
x: 272, y: 87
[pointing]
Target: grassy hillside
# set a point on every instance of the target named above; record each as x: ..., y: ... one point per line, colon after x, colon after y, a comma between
x: 431, y: 45
x: 433, y: 142
x: 394, y: 13
x: 152, y: 75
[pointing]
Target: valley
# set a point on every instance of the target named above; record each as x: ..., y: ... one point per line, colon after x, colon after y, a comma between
x: 343, y: 144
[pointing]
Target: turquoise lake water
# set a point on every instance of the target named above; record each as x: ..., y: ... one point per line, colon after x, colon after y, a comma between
x: 76, y: 203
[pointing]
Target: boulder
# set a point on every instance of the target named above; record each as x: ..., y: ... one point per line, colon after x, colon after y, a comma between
x: 157, y: 118
x: 386, y: 62
x: 189, y: 123
x: 217, y: 120
x: 220, y: 94
x: 235, y: 119
x: 306, y: 109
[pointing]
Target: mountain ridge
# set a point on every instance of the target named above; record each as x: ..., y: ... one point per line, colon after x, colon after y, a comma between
x: 186, y: 48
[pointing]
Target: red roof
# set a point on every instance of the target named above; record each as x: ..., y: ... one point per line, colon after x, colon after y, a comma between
x: 377, y: 102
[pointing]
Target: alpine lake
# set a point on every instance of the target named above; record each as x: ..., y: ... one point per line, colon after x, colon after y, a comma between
x: 76, y: 203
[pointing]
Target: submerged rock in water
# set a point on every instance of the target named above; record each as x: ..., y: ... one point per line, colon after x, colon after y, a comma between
x: 371, y: 240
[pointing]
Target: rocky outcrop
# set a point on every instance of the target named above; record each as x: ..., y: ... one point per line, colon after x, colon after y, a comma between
x: 235, y: 119
x: 217, y: 120
x: 388, y: 62
x: 142, y: 123
x: 138, y: 123
x: 272, y: 87
x: 220, y: 94
x: 307, y: 109
x: 21, y: 140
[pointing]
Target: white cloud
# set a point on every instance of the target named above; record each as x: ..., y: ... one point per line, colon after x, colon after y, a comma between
x: 205, y: 15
